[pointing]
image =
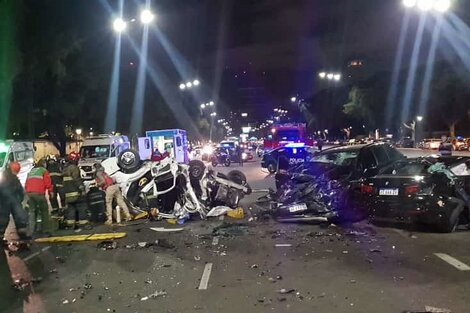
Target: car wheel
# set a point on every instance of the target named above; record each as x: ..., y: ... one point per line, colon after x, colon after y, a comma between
x: 450, y: 225
x: 237, y: 177
x: 272, y: 168
x: 128, y: 161
x: 196, y: 169
x: 227, y: 162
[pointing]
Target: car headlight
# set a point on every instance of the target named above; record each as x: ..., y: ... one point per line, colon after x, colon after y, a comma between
x: 207, y: 150
x: 244, y: 155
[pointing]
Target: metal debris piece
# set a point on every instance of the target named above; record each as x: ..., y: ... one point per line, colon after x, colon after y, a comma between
x: 375, y: 250
x: 166, y: 230
x: 107, y: 245
x: 254, y: 266
x: 154, y: 295
x: 285, y: 291
x: 88, y: 286
x: 197, y: 258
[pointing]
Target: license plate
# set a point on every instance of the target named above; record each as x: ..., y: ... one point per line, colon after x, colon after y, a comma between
x: 388, y: 192
x: 297, y: 208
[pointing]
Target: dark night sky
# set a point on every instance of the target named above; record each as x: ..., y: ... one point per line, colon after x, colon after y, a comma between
x: 275, y: 47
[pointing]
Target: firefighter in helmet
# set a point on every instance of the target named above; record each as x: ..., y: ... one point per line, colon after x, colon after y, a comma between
x: 74, y: 193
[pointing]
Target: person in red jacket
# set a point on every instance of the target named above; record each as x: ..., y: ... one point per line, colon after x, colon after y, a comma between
x: 38, y: 184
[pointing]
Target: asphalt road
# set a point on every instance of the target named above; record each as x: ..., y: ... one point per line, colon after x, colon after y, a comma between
x: 246, y: 266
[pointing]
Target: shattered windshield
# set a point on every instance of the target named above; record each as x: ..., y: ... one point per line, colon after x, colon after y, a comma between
x: 343, y: 158
x: 102, y: 151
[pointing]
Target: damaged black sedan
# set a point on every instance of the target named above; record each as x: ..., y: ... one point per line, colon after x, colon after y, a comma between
x: 431, y: 190
x: 327, y: 188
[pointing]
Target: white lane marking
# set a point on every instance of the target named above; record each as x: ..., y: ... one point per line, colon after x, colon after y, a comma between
x: 453, y: 261
x: 283, y: 245
x: 205, y: 277
x: 215, y: 241
x: 221, y: 218
x: 35, y: 254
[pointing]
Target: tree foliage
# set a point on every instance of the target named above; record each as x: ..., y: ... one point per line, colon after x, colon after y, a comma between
x: 364, y: 105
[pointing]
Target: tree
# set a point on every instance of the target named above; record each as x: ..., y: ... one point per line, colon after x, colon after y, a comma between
x: 449, y: 99
x: 364, y: 106
x: 9, y: 63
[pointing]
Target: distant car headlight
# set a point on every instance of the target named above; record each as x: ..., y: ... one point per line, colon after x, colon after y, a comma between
x: 207, y: 150
x: 244, y: 156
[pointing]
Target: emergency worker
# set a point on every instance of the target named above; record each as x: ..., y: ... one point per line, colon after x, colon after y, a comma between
x: 38, y: 184
x: 74, y: 193
x: 53, y: 166
x: 11, y: 198
x: 113, y: 192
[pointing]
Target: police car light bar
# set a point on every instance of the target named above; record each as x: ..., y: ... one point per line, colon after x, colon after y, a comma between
x: 295, y: 145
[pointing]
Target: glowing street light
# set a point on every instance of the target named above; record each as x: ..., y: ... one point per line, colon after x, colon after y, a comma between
x: 428, y: 5
x: 189, y: 84
x: 293, y: 99
x: 119, y: 25
x: 322, y: 75
x: 442, y: 5
x: 203, y: 106
x: 213, y: 114
x: 419, y: 118
x: 78, y: 131
x: 146, y: 16
x: 337, y: 77
x: 211, y: 103
x: 330, y: 76
x: 244, y: 114
x: 409, y: 3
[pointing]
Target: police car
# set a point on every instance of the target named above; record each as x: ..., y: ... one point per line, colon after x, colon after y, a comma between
x: 287, y: 156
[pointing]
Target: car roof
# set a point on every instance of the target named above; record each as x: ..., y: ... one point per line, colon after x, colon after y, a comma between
x: 350, y: 148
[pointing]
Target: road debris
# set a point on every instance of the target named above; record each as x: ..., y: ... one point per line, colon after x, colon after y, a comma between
x: 218, y: 211
x: 284, y: 291
x: 238, y: 213
x: 166, y: 230
x: 107, y: 245
x: 156, y: 294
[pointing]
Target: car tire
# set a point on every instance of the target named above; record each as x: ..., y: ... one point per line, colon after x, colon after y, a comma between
x: 196, y: 169
x: 128, y: 160
x: 271, y: 168
x: 450, y: 225
x: 237, y: 177
x: 227, y: 162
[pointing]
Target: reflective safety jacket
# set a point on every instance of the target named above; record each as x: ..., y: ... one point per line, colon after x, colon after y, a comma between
x: 72, y: 185
x: 38, y: 181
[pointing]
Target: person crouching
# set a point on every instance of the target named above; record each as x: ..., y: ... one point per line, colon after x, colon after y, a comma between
x: 112, y: 191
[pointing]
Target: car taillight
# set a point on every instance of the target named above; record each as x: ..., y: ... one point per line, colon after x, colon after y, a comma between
x: 411, y: 190
x: 367, y: 188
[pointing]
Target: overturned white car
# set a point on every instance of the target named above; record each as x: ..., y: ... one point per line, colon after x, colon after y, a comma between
x: 174, y: 189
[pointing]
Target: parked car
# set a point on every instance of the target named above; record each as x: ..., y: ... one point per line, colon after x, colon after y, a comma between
x: 432, y: 143
x: 405, y: 142
x: 430, y: 190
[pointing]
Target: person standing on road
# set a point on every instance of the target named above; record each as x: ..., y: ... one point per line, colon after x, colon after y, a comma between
x: 38, y: 185
x: 239, y: 153
x: 74, y: 194
x: 112, y: 190
x: 445, y: 147
x: 53, y: 168
x: 320, y: 144
x: 11, y: 198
